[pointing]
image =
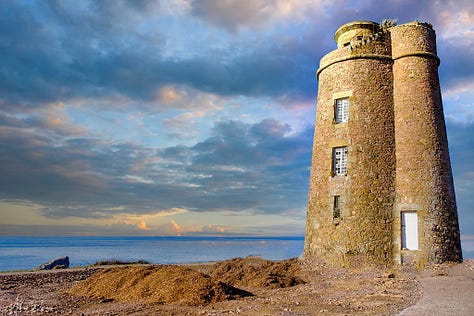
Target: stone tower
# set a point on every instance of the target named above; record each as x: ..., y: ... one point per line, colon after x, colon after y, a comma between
x: 381, y: 183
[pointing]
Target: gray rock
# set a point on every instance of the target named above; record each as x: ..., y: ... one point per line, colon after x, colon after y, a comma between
x: 59, y: 263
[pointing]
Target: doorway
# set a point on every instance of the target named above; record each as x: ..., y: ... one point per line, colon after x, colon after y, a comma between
x: 409, y: 230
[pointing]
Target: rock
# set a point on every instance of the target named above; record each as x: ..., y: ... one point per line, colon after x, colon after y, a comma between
x: 388, y: 275
x: 59, y: 263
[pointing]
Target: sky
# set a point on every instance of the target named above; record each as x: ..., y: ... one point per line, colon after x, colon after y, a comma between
x: 184, y: 117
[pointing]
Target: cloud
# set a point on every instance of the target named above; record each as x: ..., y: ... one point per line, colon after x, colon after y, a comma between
x: 232, y: 14
x: 68, y: 230
x: 240, y: 167
x: 169, y: 95
x: 142, y: 226
x: 186, y: 98
x: 171, y: 229
x: 455, y: 18
x: 121, y: 108
x: 460, y: 138
x: 118, y: 49
x: 112, y: 219
x: 102, y: 52
x: 144, y: 222
x: 51, y: 120
x: 209, y: 228
x: 235, y: 15
x: 183, y: 125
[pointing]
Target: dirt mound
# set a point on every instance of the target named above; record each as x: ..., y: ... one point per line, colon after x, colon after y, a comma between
x: 156, y: 284
x: 259, y: 273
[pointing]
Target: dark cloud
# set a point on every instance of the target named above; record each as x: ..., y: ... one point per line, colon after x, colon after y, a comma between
x: 232, y: 14
x: 60, y: 50
x: 457, y: 64
x: 57, y: 50
x: 241, y: 167
x: 255, y: 167
x: 454, y: 49
x: 402, y: 10
x: 460, y: 137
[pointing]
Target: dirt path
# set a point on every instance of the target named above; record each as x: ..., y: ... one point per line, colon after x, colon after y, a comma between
x: 449, y: 291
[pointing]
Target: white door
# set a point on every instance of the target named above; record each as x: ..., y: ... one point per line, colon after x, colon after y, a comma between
x: 409, y: 230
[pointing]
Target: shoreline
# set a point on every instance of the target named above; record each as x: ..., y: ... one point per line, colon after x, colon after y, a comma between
x: 108, y: 266
x: 19, y: 255
x: 27, y: 253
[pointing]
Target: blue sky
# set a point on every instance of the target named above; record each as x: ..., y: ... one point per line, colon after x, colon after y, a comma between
x: 187, y: 117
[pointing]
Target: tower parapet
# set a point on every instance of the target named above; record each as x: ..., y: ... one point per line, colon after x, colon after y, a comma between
x: 349, y: 32
x: 363, y: 39
x: 414, y: 39
x: 376, y: 190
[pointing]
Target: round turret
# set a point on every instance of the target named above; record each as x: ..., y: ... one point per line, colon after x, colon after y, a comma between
x: 352, y: 174
x: 349, y: 31
x: 424, y: 185
x: 414, y: 39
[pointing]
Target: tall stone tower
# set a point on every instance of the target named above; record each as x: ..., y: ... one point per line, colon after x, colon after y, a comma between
x: 381, y: 183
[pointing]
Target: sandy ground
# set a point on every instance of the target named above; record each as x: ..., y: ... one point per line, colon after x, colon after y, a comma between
x: 327, y: 291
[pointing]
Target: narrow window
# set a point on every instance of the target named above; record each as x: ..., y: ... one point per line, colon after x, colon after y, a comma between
x: 341, y: 110
x: 336, y: 210
x: 339, y: 158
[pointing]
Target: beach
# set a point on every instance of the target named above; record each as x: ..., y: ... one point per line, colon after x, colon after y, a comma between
x: 289, y: 287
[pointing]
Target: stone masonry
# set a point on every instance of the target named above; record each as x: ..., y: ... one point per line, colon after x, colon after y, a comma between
x: 396, y: 166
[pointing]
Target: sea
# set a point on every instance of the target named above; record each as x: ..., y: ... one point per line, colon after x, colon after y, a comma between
x: 26, y: 253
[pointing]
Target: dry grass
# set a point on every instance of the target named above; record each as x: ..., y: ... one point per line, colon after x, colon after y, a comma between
x: 156, y: 284
x: 169, y: 284
x: 116, y: 262
x: 258, y: 273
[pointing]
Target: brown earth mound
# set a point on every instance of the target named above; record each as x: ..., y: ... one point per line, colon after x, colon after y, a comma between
x: 257, y: 272
x: 156, y: 284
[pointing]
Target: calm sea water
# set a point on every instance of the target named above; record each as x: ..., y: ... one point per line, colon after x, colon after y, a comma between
x: 24, y: 253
